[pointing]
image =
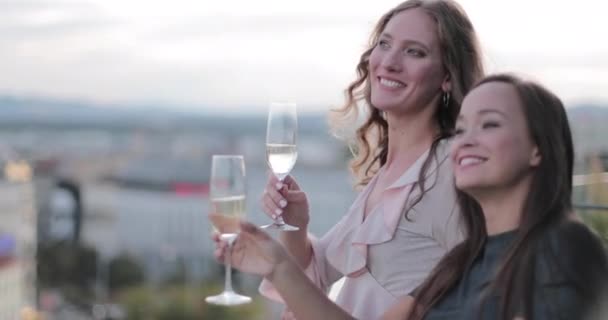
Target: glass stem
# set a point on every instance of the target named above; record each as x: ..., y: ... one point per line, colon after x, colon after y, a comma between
x: 228, y: 281
x: 279, y: 221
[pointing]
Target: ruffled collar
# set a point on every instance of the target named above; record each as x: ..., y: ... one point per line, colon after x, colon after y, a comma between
x: 348, y: 250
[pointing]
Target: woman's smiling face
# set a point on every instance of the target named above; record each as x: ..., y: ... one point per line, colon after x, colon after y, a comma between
x: 406, y: 68
x: 492, y: 147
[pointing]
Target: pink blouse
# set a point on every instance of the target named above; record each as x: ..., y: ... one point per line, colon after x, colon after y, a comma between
x: 386, y: 255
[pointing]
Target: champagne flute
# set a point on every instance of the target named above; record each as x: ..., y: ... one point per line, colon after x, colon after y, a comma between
x: 227, y: 194
x: 281, y: 152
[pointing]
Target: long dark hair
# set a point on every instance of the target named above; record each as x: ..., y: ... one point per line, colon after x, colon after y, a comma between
x: 545, y: 210
x: 461, y: 58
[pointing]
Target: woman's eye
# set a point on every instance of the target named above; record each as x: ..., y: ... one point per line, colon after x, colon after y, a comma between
x: 491, y: 124
x: 383, y: 44
x: 415, y: 52
x: 458, y: 131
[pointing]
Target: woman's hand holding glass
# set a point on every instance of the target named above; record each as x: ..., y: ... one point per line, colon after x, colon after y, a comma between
x: 281, y: 150
x: 227, y: 197
x: 285, y: 199
x: 254, y: 251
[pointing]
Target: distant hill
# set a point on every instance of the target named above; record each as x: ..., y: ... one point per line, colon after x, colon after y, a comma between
x: 589, y: 122
x: 26, y: 111
x: 35, y: 112
x: 583, y: 113
x: 590, y: 129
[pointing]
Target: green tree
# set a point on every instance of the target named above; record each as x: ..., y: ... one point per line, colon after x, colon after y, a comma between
x: 183, y: 303
x: 63, y: 262
x: 597, y: 194
x: 69, y: 267
x: 597, y: 189
x: 124, y: 271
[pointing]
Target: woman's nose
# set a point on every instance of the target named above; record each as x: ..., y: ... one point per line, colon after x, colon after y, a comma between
x: 468, y: 138
x: 392, y: 62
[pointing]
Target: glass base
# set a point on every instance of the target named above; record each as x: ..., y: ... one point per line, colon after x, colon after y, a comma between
x: 228, y: 298
x: 282, y: 227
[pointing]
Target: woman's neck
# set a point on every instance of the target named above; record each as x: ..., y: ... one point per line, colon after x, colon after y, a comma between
x: 503, y: 207
x: 409, y: 136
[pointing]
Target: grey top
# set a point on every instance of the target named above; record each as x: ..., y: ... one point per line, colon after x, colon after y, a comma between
x: 556, y: 296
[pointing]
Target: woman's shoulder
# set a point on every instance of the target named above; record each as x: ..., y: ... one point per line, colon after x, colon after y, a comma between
x: 569, y: 236
x: 441, y: 165
x: 572, y: 251
x: 572, y: 272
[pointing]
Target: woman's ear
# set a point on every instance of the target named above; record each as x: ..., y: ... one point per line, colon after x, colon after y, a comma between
x: 446, y: 85
x: 535, y: 157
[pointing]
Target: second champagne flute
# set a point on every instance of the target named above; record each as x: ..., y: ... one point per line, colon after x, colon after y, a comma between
x: 227, y: 195
x: 281, y: 152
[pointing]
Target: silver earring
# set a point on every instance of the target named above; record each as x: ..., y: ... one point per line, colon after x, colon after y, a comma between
x: 446, y: 99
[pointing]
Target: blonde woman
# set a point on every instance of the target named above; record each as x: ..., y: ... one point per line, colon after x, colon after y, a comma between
x: 422, y: 59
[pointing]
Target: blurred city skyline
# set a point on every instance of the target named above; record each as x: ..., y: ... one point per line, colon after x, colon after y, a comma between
x: 200, y: 55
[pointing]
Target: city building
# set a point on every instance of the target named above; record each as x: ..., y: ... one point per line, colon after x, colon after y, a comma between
x: 18, y: 229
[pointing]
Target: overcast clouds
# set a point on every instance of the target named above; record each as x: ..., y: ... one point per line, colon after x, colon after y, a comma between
x: 239, y: 53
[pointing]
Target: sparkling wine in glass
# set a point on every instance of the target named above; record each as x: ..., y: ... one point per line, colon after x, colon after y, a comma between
x: 227, y: 195
x: 281, y: 151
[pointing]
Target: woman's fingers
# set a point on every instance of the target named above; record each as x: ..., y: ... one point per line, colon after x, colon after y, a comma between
x: 277, y: 188
x: 270, y: 207
x: 295, y: 196
x: 288, y: 315
x: 277, y: 195
x: 216, y: 237
x: 291, y: 183
x: 219, y: 254
x: 273, y: 193
x: 250, y: 230
x: 220, y: 247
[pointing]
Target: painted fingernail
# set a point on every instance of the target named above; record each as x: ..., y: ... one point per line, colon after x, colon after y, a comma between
x: 278, y: 211
x: 274, y: 216
x: 279, y: 185
x: 282, y: 203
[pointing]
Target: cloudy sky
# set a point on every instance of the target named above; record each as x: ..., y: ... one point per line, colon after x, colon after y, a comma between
x: 197, y: 54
